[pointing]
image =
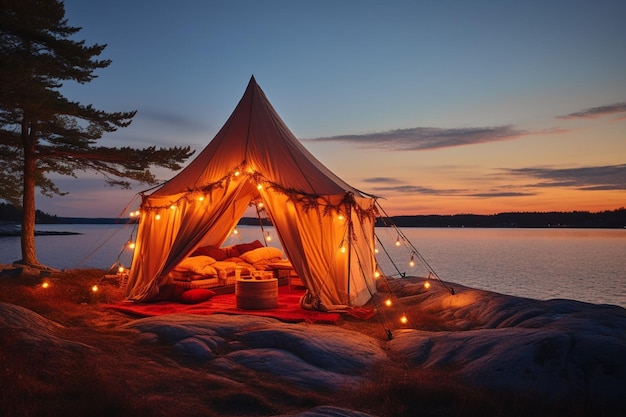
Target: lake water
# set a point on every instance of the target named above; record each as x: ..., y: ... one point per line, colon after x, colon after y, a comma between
x: 581, y: 264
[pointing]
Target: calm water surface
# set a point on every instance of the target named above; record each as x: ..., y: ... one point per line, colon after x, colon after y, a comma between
x: 581, y: 264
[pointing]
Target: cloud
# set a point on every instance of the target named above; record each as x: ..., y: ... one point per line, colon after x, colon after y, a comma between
x: 595, y: 112
x: 426, y: 138
x: 382, y: 180
x: 418, y: 189
x: 608, y: 178
x: 502, y: 194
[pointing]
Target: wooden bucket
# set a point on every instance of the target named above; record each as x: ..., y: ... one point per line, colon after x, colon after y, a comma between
x: 256, y: 294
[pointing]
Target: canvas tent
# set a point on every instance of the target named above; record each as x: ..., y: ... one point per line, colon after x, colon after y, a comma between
x: 325, y: 226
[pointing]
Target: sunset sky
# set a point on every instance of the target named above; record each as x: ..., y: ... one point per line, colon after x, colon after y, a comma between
x: 439, y: 107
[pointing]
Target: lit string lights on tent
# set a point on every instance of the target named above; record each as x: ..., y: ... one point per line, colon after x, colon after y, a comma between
x: 401, y: 241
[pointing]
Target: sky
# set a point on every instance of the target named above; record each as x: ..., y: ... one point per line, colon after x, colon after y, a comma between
x: 437, y: 107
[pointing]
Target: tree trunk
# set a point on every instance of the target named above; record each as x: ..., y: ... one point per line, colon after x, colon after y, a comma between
x: 29, y: 254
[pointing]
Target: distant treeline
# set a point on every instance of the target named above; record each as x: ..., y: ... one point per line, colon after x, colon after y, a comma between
x: 604, y: 219
x: 11, y: 214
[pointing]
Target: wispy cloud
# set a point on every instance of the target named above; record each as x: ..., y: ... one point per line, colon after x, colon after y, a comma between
x: 426, y: 138
x: 595, y: 112
x: 384, y: 180
x: 598, y: 178
x: 456, y: 192
x: 502, y: 194
x: 418, y: 189
x: 610, y: 177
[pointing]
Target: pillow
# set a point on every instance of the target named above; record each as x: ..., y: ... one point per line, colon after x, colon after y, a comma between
x: 258, y: 254
x: 215, y: 253
x: 244, y: 247
x: 198, y: 264
x: 231, y: 252
x: 257, y: 244
x: 195, y: 295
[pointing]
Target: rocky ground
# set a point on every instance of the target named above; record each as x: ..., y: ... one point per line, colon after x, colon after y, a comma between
x: 471, y: 353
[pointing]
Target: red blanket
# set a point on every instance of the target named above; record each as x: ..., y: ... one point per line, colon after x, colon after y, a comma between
x: 288, y: 309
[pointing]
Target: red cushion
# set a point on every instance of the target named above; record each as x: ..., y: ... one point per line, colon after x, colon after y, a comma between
x: 231, y: 252
x: 257, y: 244
x: 195, y: 295
x: 215, y: 253
x: 244, y: 247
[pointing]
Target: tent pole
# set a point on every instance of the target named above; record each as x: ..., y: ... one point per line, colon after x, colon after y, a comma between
x: 350, y: 231
x: 258, y: 214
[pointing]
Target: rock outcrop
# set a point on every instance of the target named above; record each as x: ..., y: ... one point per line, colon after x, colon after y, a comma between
x: 553, y: 352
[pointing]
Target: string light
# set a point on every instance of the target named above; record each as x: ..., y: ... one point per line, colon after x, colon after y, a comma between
x: 404, y: 319
x: 375, y: 250
x: 340, y: 217
x: 427, y: 284
x: 412, y: 261
x: 398, y: 241
x: 201, y: 198
x: 172, y: 207
x: 342, y: 248
x: 259, y: 187
x: 45, y: 285
x: 157, y: 217
x: 237, y: 173
x: 121, y: 269
x: 235, y: 231
x: 131, y: 245
x: 388, y: 302
x: 268, y: 238
x: 376, y: 274
x: 94, y: 289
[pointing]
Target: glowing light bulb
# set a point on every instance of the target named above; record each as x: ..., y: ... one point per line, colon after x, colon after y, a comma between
x: 94, y: 288
x: 137, y: 213
x: 132, y: 214
x: 404, y: 319
x: 237, y: 173
x: 259, y: 187
x: 201, y: 198
x: 343, y: 249
x: 235, y: 231
x: 131, y: 245
x: 157, y: 217
x: 121, y: 269
x: 412, y: 261
x: 375, y: 250
x: 260, y: 205
x: 398, y: 241
x: 427, y: 284
x: 388, y: 302
x: 45, y: 284
x: 172, y: 207
x: 376, y: 274
x: 340, y: 217
x: 268, y: 238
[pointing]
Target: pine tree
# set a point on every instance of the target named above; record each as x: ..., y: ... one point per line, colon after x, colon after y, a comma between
x: 41, y: 131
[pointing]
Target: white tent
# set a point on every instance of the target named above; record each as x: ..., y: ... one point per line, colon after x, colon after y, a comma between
x: 325, y: 226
